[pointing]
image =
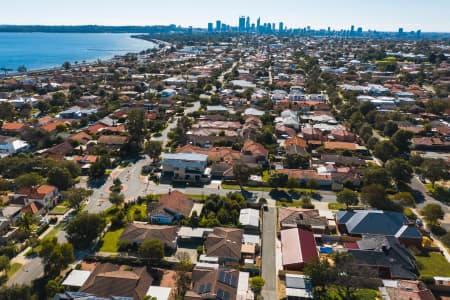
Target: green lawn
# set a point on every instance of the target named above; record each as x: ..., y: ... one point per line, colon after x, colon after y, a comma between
x: 142, y: 208
x: 13, y: 268
x: 434, y: 264
x: 59, y: 209
x: 265, y: 176
x: 54, y: 232
x: 110, y: 241
x: 339, y: 206
x: 360, y: 294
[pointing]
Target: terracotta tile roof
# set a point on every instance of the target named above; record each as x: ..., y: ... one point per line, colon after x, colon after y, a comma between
x: 224, y: 242
x: 121, y: 281
x: 215, y: 154
x: 36, y: 192
x: 254, y: 148
x: 296, y: 141
x: 174, y: 201
x: 52, y: 126
x: 112, y: 140
x: 340, y: 146
x: 12, y: 126
x: 305, y: 174
x: 83, y: 159
x: 94, y: 129
x: 32, y: 208
x: 137, y: 232
x: 81, y: 137
x: 45, y: 120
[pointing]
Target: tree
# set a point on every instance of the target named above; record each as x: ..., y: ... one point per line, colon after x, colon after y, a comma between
x: 4, y: 263
x: 434, y: 169
x: 402, y: 140
x: 279, y: 180
x: 7, y: 111
x: 404, y: 199
x: 55, y: 257
x: 321, y: 274
x: 53, y: 287
x: 84, y: 229
x: 60, y: 177
x: 136, y: 126
x: 385, y: 150
x: 26, y: 221
x: 296, y: 161
x: 98, y: 168
x: 21, y: 69
x: 376, y: 175
x: 400, y: 170
x: 375, y: 196
x: 152, y: 250
x: 153, y: 149
x: 66, y: 65
x: 257, y: 283
x: 313, y: 184
x: 116, y: 198
x: 390, y: 128
x: 347, y: 197
x: 76, y: 196
x: 432, y: 213
x: 28, y: 180
x: 241, y: 173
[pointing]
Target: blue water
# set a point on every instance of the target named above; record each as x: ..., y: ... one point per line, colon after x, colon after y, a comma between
x: 45, y: 50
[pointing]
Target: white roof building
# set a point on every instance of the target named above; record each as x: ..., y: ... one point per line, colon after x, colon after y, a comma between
x: 249, y: 217
x: 159, y: 292
x: 76, y: 278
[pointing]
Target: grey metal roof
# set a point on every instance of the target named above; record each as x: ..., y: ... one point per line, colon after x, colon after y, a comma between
x: 186, y: 156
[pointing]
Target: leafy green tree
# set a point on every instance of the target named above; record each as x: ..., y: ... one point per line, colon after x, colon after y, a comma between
x: 404, y: 199
x: 385, y: 150
x: 313, y: 184
x: 152, y: 250
x: 116, y: 198
x: 376, y: 175
x: 278, y: 180
x: 321, y: 274
x: 402, y: 140
x: 375, y: 196
x: 153, y: 149
x: 432, y: 213
x: 136, y: 126
x: 296, y: 161
x: 434, y: 169
x: 257, y: 283
x: 84, y: 229
x: 98, y: 168
x: 60, y: 177
x: 55, y: 257
x: 347, y: 197
x: 400, y: 170
x: 242, y: 173
x: 53, y: 287
x: 28, y: 180
x: 76, y: 196
x: 7, y: 111
x: 66, y: 65
x: 26, y: 221
x: 390, y: 128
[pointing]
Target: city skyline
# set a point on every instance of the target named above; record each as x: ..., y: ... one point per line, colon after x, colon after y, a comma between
x: 376, y: 15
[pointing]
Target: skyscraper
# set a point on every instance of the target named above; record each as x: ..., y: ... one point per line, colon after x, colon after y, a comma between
x: 218, y: 25
x: 352, y: 29
x: 281, y: 27
x: 258, y: 25
x: 210, y: 27
x: 247, y: 24
x: 241, y: 23
x: 400, y: 31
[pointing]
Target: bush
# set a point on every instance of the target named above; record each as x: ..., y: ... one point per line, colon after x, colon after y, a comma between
x: 409, y: 213
x: 427, y: 279
x: 446, y: 239
x: 438, y: 230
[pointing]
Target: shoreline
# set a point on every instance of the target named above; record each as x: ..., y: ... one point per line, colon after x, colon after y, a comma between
x: 109, y: 60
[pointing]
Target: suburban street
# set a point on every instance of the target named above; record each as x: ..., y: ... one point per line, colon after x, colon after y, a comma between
x: 32, y: 269
x: 268, y: 257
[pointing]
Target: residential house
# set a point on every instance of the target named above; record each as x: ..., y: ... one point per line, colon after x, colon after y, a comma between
x: 11, y: 146
x: 192, y: 236
x: 305, y: 175
x: 13, y: 128
x: 388, y: 223
x: 405, y: 289
x: 114, y: 142
x: 254, y: 152
x: 136, y: 233
x: 249, y: 219
x: 386, y: 256
x: 298, y: 247
x: 186, y: 167
x: 171, y: 207
x: 120, y: 281
x: 298, y: 287
x: 45, y: 195
x: 225, y: 243
x: 292, y: 217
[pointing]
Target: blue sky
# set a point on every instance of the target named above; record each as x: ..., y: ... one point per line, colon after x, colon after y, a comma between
x: 430, y: 15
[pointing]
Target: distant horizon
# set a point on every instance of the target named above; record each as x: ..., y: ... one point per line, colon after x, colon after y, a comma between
x: 379, y: 15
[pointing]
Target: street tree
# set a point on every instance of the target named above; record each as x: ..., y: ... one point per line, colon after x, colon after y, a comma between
x: 400, y: 170
x: 136, y: 126
x: 402, y: 140
x: 241, y: 173
x: 432, y: 213
x: 152, y: 250
x: 116, y: 198
x: 434, y: 169
x: 4, y: 263
x: 84, y: 229
x: 26, y: 221
x: 375, y: 196
x: 390, y: 128
x: 321, y: 274
x: 404, y: 199
x: 153, y: 149
x: 98, y: 168
x: 257, y: 283
x: 347, y: 197
x: 385, y: 150
x: 76, y: 196
x: 376, y: 175
x: 55, y: 257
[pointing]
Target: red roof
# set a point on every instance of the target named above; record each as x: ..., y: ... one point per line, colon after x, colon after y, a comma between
x: 298, y: 246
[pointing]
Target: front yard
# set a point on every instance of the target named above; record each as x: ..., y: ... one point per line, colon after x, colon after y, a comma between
x: 433, y: 264
x: 111, y: 241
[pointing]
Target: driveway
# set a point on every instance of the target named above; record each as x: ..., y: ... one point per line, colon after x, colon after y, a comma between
x: 268, y: 259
